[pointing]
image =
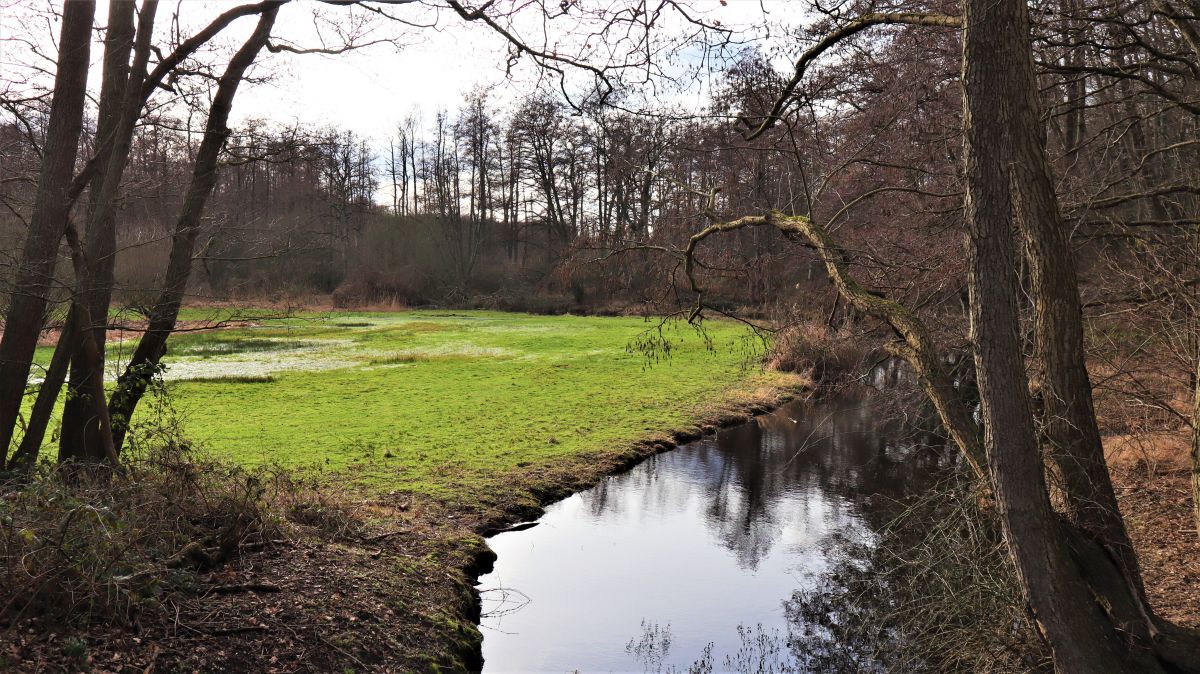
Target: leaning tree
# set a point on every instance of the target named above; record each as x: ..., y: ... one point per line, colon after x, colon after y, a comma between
x: 1076, y: 563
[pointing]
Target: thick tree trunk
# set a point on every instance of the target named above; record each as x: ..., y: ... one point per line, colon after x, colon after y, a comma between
x: 994, y: 39
x: 35, y: 275
x: 150, y: 349
x: 90, y: 286
x: 1069, y: 420
x: 1081, y: 601
x: 91, y: 395
x: 120, y: 103
x: 43, y: 406
x: 1196, y: 452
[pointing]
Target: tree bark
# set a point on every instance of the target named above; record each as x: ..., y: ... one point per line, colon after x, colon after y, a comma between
x: 1069, y: 420
x: 1196, y: 452
x: 27, y: 452
x: 92, y: 394
x: 146, y: 358
x: 35, y: 275
x: 120, y: 102
x: 1065, y: 577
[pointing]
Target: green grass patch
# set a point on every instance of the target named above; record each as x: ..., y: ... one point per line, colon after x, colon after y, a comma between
x: 219, y: 345
x: 449, y: 404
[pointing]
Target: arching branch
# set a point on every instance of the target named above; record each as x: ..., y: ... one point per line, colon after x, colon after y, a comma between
x: 917, y: 347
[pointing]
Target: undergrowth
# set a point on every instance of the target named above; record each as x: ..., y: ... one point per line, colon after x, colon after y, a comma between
x: 825, y: 355
x: 80, y: 544
x: 85, y: 544
x: 935, y: 593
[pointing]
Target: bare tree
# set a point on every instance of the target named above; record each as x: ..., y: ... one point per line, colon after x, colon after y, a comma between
x: 120, y: 104
x: 144, y: 363
x: 35, y: 275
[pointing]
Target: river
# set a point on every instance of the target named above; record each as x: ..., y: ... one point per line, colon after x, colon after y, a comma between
x: 692, y: 554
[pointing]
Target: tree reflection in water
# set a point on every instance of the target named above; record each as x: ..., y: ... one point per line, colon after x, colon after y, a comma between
x: 709, y: 538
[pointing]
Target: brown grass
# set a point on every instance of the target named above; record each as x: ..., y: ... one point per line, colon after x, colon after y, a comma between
x: 824, y: 355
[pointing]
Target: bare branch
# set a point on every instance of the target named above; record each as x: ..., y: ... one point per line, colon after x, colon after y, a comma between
x: 831, y: 40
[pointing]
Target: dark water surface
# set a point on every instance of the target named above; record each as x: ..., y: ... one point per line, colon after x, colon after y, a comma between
x: 695, y: 543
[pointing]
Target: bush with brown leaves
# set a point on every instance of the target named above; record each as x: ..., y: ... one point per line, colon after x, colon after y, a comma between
x: 825, y: 355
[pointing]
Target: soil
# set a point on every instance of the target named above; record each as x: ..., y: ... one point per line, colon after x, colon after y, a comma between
x: 1153, y: 483
x: 308, y: 605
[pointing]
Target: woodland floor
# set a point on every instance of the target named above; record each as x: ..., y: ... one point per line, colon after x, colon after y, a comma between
x: 1154, y: 489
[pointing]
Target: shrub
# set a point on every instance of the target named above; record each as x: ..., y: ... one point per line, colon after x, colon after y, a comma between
x: 810, y: 347
x: 86, y: 543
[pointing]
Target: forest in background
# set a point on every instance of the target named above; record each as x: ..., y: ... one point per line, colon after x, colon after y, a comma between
x: 542, y: 207
x: 551, y: 207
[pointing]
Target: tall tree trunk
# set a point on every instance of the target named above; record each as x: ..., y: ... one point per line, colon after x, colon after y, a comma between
x: 35, y: 275
x: 92, y: 392
x: 1069, y: 420
x: 150, y: 349
x: 27, y: 452
x: 120, y: 102
x: 1080, y: 602
x: 994, y: 45
x: 1196, y: 451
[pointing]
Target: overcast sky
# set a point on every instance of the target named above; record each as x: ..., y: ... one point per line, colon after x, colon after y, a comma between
x: 418, y: 69
x: 372, y: 89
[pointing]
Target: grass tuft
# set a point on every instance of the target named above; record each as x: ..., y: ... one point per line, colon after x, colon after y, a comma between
x: 220, y: 345
x: 234, y: 379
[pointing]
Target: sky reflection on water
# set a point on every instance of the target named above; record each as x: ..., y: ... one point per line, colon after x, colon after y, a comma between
x: 713, y: 535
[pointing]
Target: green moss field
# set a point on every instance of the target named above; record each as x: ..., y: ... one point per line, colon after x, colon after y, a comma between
x: 441, y: 403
